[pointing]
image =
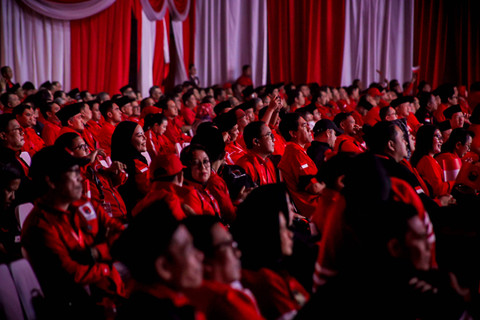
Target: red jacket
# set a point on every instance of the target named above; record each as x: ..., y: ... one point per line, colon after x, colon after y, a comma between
x: 432, y: 173
x: 105, y: 137
x: 261, y: 171
x: 277, y: 293
x: 219, y: 190
x: 33, y: 142
x: 346, y: 143
x: 50, y: 132
x: 207, y: 204
x: 233, y: 152
x: 220, y: 301
x: 58, y: 244
x: 294, y: 166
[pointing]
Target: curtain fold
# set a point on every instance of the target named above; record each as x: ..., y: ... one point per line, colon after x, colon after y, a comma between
x: 179, y: 9
x: 154, y: 9
x: 230, y: 34
x: 101, y: 49
x: 447, y: 46
x: 68, y: 10
x: 306, y: 40
x: 378, y: 36
x: 147, y: 55
x: 161, y: 59
x: 36, y: 47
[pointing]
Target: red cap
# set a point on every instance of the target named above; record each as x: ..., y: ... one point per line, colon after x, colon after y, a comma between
x: 374, y: 92
x: 164, y: 165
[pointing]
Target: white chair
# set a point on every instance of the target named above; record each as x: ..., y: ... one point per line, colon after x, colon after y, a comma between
x: 28, y: 288
x: 10, y: 306
x: 22, y: 211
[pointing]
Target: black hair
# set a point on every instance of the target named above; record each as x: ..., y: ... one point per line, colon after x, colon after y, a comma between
x: 252, y: 131
x: 153, y: 118
x: 424, y: 142
x: 106, y: 107
x: 457, y: 135
x: 200, y: 227
x: 289, y: 123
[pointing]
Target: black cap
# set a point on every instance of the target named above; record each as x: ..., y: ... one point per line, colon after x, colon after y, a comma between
x: 444, y: 125
x: 341, y: 117
x: 324, y: 124
x: 69, y: 111
x: 246, y: 105
x: 120, y: 102
x: 222, y: 106
x: 225, y: 121
x: 248, y: 91
x: 401, y: 100
x: 448, y: 113
x: 74, y: 94
x: 52, y: 161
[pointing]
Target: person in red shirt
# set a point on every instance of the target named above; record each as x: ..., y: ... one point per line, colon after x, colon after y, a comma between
x: 449, y: 96
x: 100, y: 183
x: 68, y: 240
x: 112, y: 115
x: 52, y: 125
x: 128, y: 144
x: 221, y: 295
x: 296, y: 168
x: 157, y: 143
x: 453, y: 153
x: 163, y: 262
x: 189, y: 105
x: 455, y: 116
x: 227, y: 124
x: 9, y: 101
x: 73, y: 121
x: 347, y: 142
x: 174, y: 128
x: 94, y: 124
x: 245, y: 79
x: 260, y: 145
x: 26, y: 117
x: 295, y: 100
x: 125, y: 105
x: 263, y: 233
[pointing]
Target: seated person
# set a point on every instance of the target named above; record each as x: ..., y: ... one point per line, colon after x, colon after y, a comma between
x: 67, y: 240
x: 162, y: 261
x: 221, y: 295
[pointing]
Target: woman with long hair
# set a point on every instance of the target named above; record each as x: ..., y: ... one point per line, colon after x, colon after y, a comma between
x: 428, y: 144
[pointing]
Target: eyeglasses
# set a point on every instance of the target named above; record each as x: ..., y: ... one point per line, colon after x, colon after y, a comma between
x: 269, y: 135
x: 19, y: 130
x: 201, y: 163
x: 81, y: 146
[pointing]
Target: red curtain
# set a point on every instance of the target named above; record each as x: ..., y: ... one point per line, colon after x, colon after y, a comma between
x: 305, y: 39
x: 447, y: 41
x: 189, y: 36
x: 160, y: 68
x: 101, y: 49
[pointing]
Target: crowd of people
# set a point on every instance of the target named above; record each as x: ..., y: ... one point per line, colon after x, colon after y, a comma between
x: 237, y: 201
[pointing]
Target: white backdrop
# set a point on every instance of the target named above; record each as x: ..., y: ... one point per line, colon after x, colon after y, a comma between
x: 229, y: 34
x: 378, y: 35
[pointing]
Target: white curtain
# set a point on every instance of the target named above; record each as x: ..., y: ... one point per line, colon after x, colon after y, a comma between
x: 68, y: 11
x: 37, y: 48
x: 230, y: 34
x: 145, y: 77
x: 378, y: 36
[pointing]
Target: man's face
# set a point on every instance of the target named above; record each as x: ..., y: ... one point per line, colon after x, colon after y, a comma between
x: 225, y: 264
x: 130, y: 93
x: 416, y: 243
x: 76, y: 123
x: 86, y: 113
x: 172, y: 110
x: 27, y: 119
x: 250, y: 115
x: 432, y: 104
x: 8, y: 73
x: 266, y: 140
x: 233, y: 133
x: 7, y: 194
x: 80, y: 148
x: 300, y: 100
x: 400, y: 145
x: 453, y: 99
x: 13, y: 101
x: 185, y: 261
x: 156, y: 94
x: 458, y: 120
x: 136, y: 109
x: 127, y: 109
x: 349, y: 126
x: 13, y: 136
x: 52, y: 113
x: 332, y: 137
x: 303, y: 132
x: 116, y: 114
x: 88, y: 97
x: 193, y: 70
x: 69, y: 186
x: 391, y: 114
x: 305, y: 90
x: 403, y: 110
x: 323, y: 98
x: 96, y: 114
